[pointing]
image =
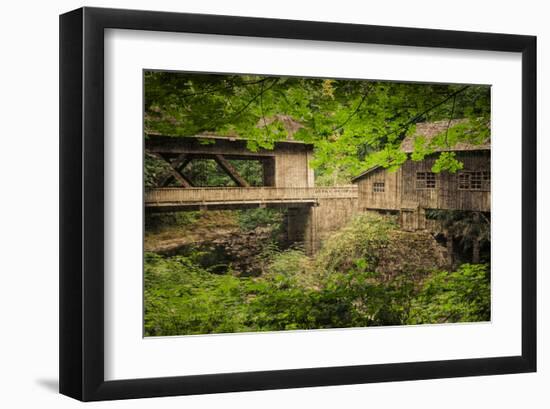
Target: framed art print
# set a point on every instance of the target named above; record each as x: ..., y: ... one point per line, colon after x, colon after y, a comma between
x: 254, y: 204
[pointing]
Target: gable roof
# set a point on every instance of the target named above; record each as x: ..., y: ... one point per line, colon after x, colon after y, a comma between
x: 290, y: 125
x: 430, y: 130
x: 366, y: 172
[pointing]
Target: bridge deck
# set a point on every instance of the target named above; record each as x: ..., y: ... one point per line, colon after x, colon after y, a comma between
x: 169, y: 199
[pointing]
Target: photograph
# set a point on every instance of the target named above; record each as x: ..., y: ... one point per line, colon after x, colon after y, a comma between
x: 247, y: 205
x: 278, y: 203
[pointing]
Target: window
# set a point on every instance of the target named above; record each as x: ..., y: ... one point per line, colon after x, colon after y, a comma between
x: 425, y: 180
x: 378, y: 187
x: 478, y: 180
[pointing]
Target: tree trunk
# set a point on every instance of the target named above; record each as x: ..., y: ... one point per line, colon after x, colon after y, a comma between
x: 475, y: 251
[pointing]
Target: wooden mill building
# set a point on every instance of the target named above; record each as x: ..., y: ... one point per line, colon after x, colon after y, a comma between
x: 414, y: 188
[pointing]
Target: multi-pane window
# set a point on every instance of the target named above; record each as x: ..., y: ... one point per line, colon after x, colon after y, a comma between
x: 425, y: 180
x: 478, y: 180
x: 378, y: 187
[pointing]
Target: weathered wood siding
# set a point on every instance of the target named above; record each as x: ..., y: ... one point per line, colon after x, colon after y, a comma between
x: 313, y: 224
x: 401, y: 190
x: 389, y: 199
x: 292, y: 169
x: 412, y: 219
x: 446, y: 194
x: 333, y: 214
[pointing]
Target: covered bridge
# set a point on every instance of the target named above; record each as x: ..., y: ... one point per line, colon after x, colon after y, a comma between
x: 286, y: 165
x: 288, y: 182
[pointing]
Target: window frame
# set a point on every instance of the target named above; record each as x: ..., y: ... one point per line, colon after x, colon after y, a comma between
x: 378, y: 187
x: 428, y: 177
x: 467, y: 178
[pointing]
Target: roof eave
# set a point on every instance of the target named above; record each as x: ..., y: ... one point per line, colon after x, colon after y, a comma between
x: 366, y: 172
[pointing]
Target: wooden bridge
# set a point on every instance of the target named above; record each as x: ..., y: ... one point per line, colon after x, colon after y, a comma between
x: 178, y: 199
x: 288, y: 182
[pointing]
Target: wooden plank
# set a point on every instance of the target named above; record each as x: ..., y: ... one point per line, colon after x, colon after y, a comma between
x: 231, y: 171
x: 158, y: 196
x: 179, y: 177
x: 180, y: 161
x: 222, y: 146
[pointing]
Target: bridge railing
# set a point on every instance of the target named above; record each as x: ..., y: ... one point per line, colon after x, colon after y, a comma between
x: 159, y: 196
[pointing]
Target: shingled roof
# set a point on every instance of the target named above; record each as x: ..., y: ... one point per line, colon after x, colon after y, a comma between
x: 430, y: 130
x: 289, y: 124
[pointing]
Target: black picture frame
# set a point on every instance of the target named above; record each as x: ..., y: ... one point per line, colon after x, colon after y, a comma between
x: 82, y: 213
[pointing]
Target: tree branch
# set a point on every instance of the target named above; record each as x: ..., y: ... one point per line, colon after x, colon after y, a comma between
x: 211, y: 90
x: 366, y: 93
x: 420, y: 115
x: 245, y: 107
x: 266, y: 126
x: 449, y: 123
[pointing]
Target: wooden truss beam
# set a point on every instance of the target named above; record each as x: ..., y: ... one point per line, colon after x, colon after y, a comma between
x: 176, y: 170
x: 179, y: 176
x: 231, y: 171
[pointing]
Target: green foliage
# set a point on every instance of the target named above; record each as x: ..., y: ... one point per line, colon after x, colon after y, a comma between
x: 183, y: 298
x: 249, y: 219
x: 251, y: 170
x: 291, y: 262
x: 475, y: 131
x: 470, y: 228
x: 350, y: 299
x: 206, y: 172
x: 391, y: 157
x: 447, y: 161
x: 421, y: 149
x: 461, y: 296
x: 153, y: 169
x: 340, y: 288
x: 353, y: 124
x: 203, y: 172
x: 156, y: 221
x: 356, y: 241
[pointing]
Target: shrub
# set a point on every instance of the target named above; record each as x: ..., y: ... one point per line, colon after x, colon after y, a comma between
x: 182, y: 298
x: 155, y: 222
x: 250, y: 219
x: 360, y: 239
x: 340, y: 289
x: 291, y: 262
x: 461, y: 296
